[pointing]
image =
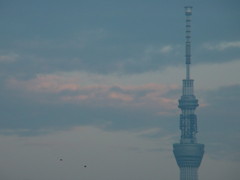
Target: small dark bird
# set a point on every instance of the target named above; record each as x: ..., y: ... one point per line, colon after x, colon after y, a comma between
x: 60, y: 159
x: 85, y: 166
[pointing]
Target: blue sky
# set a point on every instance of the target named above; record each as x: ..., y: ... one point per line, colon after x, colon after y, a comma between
x: 98, y: 83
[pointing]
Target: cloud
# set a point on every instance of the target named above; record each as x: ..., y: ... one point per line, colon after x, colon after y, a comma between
x: 115, y: 41
x: 166, y: 49
x: 120, y: 96
x: 72, y: 89
x: 222, y: 45
x: 159, y: 50
x: 82, y: 39
x: 44, y: 83
x: 9, y: 58
x: 65, y: 100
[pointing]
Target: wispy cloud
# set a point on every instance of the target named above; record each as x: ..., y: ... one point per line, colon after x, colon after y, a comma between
x: 222, y: 45
x: 159, y: 50
x: 120, y: 96
x: 12, y: 57
x: 166, y: 49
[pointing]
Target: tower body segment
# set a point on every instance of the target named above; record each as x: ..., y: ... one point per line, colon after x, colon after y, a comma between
x: 188, y: 153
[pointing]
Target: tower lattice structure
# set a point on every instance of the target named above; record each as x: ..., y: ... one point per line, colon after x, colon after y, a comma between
x: 188, y: 152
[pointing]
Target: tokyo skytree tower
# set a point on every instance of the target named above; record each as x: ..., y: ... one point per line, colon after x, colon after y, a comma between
x: 188, y: 152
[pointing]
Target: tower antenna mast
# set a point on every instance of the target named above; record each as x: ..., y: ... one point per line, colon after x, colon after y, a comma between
x: 188, y: 13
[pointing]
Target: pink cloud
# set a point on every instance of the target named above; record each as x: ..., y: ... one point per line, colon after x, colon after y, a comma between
x: 151, y: 86
x: 146, y: 95
x: 50, y: 84
x: 120, y: 96
x: 203, y: 105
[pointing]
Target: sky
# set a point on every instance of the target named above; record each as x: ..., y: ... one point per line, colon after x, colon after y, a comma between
x: 96, y: 84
